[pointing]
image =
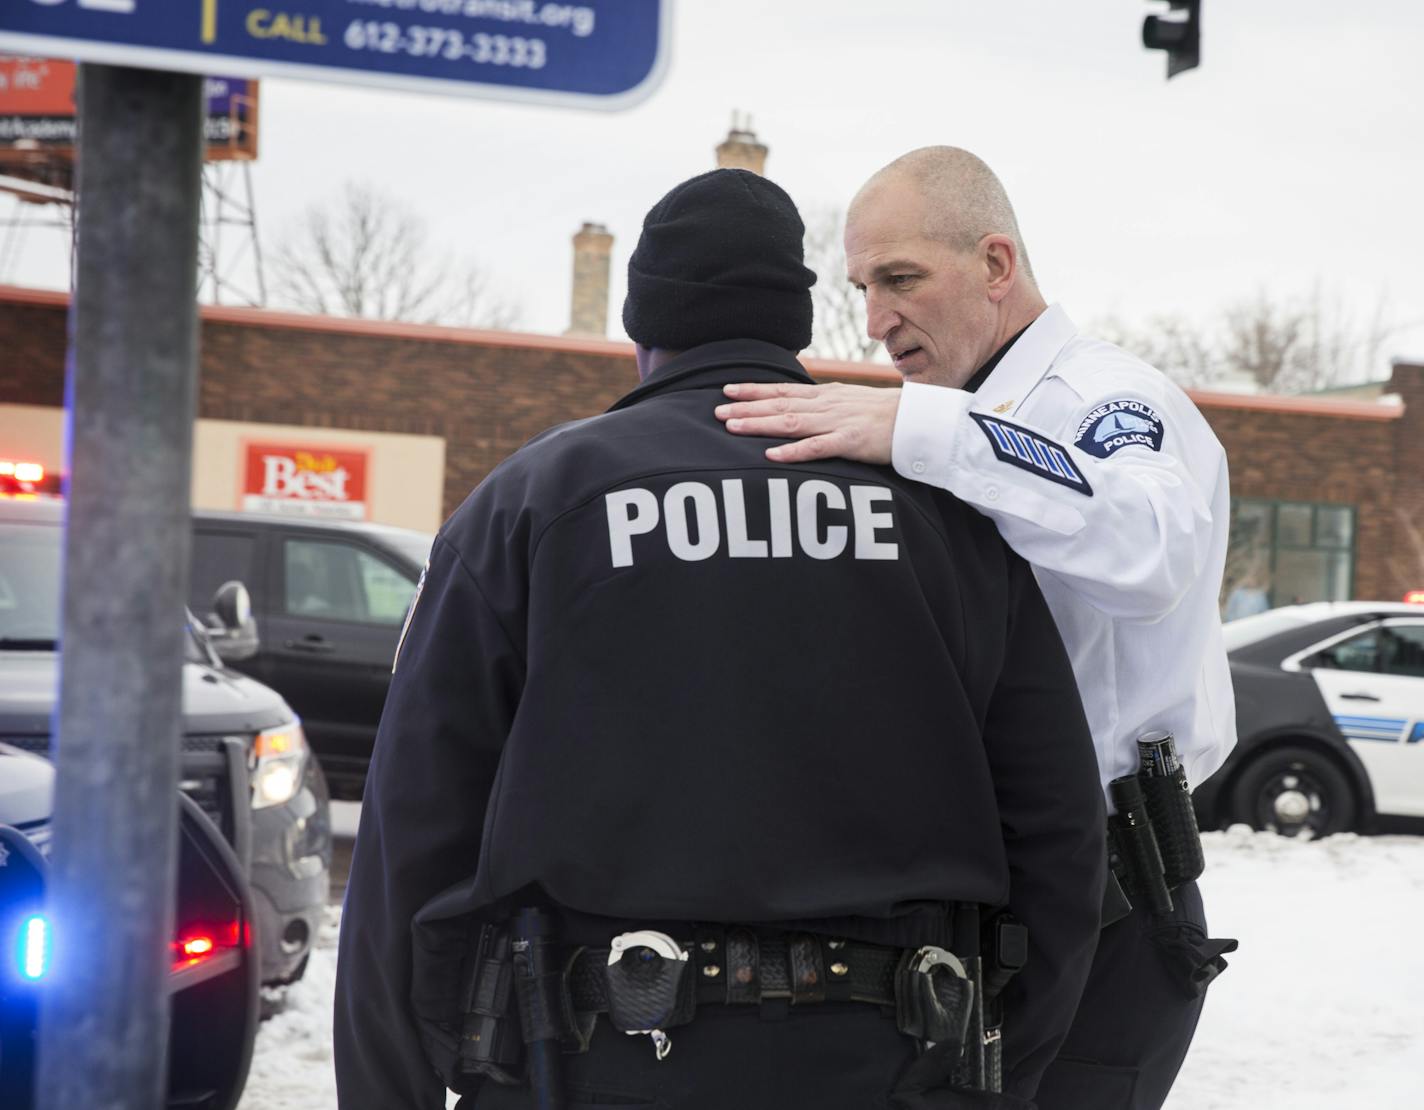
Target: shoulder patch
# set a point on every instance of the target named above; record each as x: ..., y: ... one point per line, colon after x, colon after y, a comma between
x: 409, y: 614
x: 1114, y: 425
x: 1032, y: 451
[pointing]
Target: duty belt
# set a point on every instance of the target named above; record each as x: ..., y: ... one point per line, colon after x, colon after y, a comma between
x: 647, y: 982
x: 738, y: 967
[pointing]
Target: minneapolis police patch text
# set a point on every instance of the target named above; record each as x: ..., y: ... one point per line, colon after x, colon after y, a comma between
x: 1117, y: 424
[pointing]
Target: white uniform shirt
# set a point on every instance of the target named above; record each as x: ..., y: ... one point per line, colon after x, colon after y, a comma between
x: 1103, y: 475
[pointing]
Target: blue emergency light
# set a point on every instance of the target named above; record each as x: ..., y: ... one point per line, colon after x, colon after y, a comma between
x: 34, y: 947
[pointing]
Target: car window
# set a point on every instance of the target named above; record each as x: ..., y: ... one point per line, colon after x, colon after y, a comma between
x: 1247, y: 630
x: 29, y: 584
x: 1402, y: 650
x: 339, y: 581
x: 415, y: 546
x: 1358, y: 653
x: 219, y: 557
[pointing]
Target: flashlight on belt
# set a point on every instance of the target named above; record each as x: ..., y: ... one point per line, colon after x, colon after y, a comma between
x: 1169, y: 807
x: 1136, y: 845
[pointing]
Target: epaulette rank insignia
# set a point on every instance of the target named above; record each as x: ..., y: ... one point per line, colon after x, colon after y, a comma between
x: 1032, y: 451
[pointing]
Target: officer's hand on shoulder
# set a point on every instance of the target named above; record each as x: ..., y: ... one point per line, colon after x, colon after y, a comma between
x: 829, y: 421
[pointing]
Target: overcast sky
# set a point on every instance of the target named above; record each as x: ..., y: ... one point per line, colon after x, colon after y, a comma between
x: 1293, y: 157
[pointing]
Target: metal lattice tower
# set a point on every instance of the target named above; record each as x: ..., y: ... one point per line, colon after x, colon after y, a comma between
x: 37, y: 191
x: 229, y: 252
x: 39, y: 194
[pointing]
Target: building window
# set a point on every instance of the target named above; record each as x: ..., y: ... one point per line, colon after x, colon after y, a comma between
x: 1286, y: 552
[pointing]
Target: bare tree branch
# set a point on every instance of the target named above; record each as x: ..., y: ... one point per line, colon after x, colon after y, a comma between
x: 839, y: 329
x: 1285, y: 345
x: 368, y: 254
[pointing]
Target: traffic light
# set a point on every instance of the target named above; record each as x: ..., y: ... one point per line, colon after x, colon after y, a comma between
x: 1180, y: 38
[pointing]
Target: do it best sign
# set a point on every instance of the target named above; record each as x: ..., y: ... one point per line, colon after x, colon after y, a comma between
x: 304, y: 481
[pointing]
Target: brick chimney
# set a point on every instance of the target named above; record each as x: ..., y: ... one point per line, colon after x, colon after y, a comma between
x: 593, y: 247
x: 740, y: 149
x: 1405, y: 542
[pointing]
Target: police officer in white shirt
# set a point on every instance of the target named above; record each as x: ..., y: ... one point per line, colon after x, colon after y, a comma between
x: 1104, y: 476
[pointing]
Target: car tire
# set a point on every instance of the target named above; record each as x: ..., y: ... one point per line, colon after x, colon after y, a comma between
x: 1294, y: 791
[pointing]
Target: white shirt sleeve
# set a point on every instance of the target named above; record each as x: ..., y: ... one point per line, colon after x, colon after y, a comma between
x: 1129, y: 533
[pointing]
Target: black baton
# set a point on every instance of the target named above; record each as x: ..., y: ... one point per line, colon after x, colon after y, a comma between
x: 1132, y: 833
x: 537, y: 981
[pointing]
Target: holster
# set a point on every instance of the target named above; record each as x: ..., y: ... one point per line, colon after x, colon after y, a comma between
x: 647, y: 991
x: 939, y: 1001
x: 463, y: 999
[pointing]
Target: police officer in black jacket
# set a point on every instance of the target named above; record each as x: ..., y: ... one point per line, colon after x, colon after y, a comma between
x: 581, y: 721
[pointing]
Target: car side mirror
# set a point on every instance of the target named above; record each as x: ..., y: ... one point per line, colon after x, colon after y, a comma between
x: 232, y: 605
x: 234, y: 635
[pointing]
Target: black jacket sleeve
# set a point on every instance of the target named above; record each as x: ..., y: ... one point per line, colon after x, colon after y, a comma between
x: 1051, y: 808
x: 458, y: 677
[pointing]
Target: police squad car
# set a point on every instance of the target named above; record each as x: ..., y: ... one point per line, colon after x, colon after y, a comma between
x: 245, y: 759
x: 1330, y: 714
x: 213, y: 977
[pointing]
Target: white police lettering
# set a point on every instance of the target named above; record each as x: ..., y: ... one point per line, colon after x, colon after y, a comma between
x: 808, y: 525
x: 779, y: 496
x: 624, y: 523
x: 738, y: 545
x: 693, y: 528
x: 1118, y: 424
x: 868, y: 521
x: 709, y: 537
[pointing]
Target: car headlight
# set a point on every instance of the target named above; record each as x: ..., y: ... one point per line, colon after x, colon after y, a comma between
x: 278, y: 759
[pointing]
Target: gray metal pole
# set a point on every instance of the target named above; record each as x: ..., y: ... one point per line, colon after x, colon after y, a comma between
x: 131, y: 387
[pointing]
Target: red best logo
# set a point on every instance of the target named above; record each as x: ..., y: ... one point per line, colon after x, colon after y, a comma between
x: 309, y: 480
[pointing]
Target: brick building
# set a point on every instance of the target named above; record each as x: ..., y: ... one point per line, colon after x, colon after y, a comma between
x: 1328, y: 494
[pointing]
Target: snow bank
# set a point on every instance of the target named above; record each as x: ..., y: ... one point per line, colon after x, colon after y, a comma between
x: 1322, y: 1009
x: 1323, y: 1006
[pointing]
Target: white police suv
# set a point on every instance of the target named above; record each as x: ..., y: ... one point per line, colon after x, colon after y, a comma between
x: 1330, y: 714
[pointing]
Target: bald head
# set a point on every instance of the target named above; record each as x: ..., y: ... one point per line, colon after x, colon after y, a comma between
x: 964, y: 200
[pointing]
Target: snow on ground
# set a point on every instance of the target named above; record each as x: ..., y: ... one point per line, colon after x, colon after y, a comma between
x: 1321, y: 1009
x: 1323, y: 1006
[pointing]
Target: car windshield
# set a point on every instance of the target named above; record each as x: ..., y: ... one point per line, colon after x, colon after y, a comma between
x: 1249, y: 630
x: 415, y: 546
x: 29, y: 587
x: 29, y: 591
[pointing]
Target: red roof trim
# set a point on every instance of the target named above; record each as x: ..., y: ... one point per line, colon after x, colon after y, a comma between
x: 1300, y: 406
x: 865, y: 373
x: 379, y: 329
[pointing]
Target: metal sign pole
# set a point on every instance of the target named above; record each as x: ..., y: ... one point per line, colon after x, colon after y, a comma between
x: 131, y: 390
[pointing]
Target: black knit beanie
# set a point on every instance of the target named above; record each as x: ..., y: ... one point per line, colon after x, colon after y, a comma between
x: 720, y: 257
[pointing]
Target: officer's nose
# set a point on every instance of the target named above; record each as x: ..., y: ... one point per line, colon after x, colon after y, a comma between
x: 880, y: 318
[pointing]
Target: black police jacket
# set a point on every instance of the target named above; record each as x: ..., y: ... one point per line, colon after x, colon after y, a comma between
x: 652, y: 676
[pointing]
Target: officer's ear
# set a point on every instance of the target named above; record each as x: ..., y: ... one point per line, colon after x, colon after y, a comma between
x: 1000, y: 256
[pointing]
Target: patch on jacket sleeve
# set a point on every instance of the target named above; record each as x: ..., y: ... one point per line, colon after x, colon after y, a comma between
x: 409, y: 614
x: 1032, y: 451
x: 1117, y: 424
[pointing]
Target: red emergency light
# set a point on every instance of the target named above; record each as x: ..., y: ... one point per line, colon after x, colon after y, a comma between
x: 23, y: 479
x: 1414, y: 597
x: 198, y: 943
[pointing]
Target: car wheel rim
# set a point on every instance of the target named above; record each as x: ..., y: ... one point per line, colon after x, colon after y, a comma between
x: 1293, y: 802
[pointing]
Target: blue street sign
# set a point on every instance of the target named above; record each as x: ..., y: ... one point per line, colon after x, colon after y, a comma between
x: 594, y: 53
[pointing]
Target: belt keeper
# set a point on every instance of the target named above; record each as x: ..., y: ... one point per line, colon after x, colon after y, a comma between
x: 836, y: 959
x: 578, y: 1028
x: 808, y: 969
x: 742, y: 969
x: 710, y: 957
